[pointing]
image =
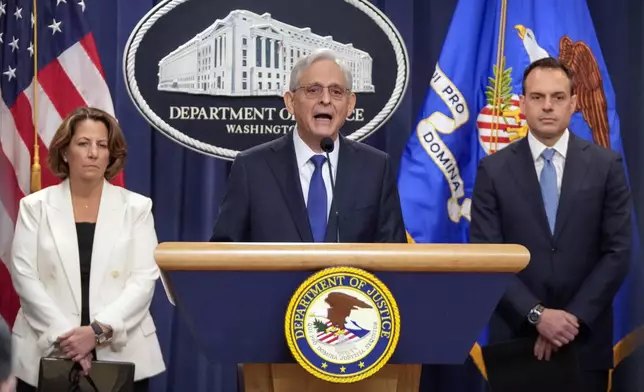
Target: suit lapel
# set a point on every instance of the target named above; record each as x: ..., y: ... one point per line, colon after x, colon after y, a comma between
x: 523, y: 170
x: 108, y: 228
x: 348, y: 165
x: 63, y: 227
x: 575, y: 170
x: 283, y: 164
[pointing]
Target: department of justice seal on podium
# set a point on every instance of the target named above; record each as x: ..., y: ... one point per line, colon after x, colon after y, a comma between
x: 342, y: 324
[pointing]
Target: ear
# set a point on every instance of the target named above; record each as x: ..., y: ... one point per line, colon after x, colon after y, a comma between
x: 522, y: 103
x: 289, y: 99
x: 573, y: 104
x: 352, y: 104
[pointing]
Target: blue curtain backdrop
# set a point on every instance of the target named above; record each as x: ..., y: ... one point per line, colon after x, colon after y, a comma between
x: 186, y: 187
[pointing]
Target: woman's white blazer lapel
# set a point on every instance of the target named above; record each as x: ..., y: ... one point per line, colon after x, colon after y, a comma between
x: 109, y: 226
x: 63, y: 227
x: 60, y: 215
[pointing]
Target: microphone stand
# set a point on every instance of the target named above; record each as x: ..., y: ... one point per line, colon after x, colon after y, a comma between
x: 334, y: 201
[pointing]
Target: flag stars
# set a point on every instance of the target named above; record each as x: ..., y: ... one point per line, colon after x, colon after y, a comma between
x: 60, y: 1
x: 18, y: 13
x: 81, y: 3
x: 55, y: 27
x: 3, y: 8
x: 32, y: 20
x: 1, y: 41
x: 14, y: 44
x: 11, y: 73
x: 30, y: 49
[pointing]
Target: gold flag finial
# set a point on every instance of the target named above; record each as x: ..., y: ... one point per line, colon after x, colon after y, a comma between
x: 36, y: 177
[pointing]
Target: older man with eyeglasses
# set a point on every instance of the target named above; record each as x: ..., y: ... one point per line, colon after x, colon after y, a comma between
x: 283, y: 190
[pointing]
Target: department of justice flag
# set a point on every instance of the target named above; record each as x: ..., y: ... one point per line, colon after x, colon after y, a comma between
x: 472, y: 110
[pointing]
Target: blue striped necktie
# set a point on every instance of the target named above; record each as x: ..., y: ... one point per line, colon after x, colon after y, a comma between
x: 549, y: 189
x: 317, y: 202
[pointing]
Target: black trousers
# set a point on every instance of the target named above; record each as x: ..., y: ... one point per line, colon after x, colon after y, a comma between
x: 139, y: 386
x: 595, y: 381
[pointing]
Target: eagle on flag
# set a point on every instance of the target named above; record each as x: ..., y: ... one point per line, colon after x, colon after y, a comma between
x: 578, y: 57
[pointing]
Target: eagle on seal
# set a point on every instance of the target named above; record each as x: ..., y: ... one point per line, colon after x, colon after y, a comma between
x: 340, y: 307
x: 578, y: 57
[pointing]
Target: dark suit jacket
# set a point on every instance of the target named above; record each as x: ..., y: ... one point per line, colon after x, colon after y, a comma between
x: 264, y: 201
x: 578, y: 269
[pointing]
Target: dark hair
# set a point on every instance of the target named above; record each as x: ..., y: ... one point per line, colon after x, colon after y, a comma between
x: 549, y: 63
x: 115, y: 141
x: 5, y: 351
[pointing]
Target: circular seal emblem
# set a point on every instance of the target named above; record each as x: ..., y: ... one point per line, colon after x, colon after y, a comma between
x: 211, y: 75
x: 342, y: 324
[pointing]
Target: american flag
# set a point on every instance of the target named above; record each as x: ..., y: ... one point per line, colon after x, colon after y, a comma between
x: 69, y: 75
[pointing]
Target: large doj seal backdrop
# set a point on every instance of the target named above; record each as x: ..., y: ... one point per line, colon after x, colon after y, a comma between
x: 342, y: 324
x: 210, y: 75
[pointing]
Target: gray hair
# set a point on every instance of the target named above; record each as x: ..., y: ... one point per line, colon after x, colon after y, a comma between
x: 320, y: 54
x: 5, y: 351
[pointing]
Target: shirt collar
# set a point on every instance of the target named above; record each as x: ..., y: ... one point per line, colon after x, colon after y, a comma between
x: 303, y: 152
x: 537, y: 148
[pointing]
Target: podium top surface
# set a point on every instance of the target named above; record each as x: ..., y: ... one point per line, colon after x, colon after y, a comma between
x: 209, y: 256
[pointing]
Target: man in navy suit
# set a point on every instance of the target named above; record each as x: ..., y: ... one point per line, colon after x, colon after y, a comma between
x: 568, y: 202
x: 282, y: 191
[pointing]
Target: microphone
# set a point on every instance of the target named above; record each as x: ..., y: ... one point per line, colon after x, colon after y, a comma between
x: 327, y: 145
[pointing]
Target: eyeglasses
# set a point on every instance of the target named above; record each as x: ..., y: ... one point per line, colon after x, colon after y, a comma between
x: 316, y: 90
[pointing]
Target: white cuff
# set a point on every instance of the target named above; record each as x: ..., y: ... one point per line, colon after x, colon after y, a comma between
x: 119, y: 335
x: 49, y: 337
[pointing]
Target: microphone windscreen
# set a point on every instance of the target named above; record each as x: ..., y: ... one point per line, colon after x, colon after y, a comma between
x: 327, y: 144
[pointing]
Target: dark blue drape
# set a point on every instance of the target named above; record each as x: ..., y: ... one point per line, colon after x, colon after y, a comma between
x: 186, y: 187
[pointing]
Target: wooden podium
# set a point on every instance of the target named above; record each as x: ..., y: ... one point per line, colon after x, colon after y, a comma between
x: 234, y: 297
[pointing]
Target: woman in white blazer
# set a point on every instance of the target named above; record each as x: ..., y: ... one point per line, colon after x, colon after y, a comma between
x: 82, y: 259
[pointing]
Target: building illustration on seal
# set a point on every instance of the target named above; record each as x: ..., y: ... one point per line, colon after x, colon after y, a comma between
x: 247, y: 54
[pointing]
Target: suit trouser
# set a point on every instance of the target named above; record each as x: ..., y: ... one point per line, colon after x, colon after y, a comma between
x: 594, y: 381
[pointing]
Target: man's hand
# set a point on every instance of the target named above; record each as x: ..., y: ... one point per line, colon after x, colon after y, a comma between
x: 78, y: 342
x: 558, y: 327
x: 543, y: 349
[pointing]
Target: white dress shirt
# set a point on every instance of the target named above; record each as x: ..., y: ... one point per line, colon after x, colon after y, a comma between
x: 303, y: 154
x: 558, y: 158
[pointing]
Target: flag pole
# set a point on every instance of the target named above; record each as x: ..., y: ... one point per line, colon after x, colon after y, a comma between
x: 36, y: 181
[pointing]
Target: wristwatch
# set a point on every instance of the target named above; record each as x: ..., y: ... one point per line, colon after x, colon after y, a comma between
x: 534, y: 316
x: 100, y: 334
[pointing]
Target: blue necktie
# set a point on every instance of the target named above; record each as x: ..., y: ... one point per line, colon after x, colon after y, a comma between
x: 549, y: 190
x: 317, y: 203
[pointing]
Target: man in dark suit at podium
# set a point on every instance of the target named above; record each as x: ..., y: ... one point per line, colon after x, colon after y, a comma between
x: 282, y: 191
x: 568, y: 202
